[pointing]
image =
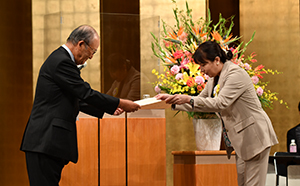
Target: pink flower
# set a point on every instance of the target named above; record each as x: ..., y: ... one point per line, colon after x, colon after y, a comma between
x: 187, y: 53
x: 183, y: 64
x: 175, y: 69
x: 157, y: 89
x: 259, y: 91
x: 167, y: 43
x: 255, y: 79
x: 199, y: 80
x: 179, y: 76
x: 206, y: 76
x: 247, y: 66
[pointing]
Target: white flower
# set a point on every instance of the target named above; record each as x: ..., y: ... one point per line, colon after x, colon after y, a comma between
x: 247, y: 66
x: 199, y: 80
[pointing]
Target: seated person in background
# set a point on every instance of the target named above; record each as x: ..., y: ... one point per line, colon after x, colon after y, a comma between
x: 294, y: 133
x: 127, y: 78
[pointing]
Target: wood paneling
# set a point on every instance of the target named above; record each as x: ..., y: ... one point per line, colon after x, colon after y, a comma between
x: 198, y: 168
x: 112, y: 152
x: 146, y: 151
x: 15, y: 89
x: 276, y: 44
x: 86, y: 169
x: 209, y: 174
x: 143, y: 162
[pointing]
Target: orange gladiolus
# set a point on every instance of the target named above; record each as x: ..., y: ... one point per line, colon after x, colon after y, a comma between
x: 171, y: 59
x: 258, y: 75
x: 196, y: 30
x: 180, y: 31
x: 259, y: 67
x: 173, y: 35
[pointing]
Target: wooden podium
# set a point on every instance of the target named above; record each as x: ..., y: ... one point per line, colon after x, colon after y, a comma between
x: 209, y: 168
x: 129, y: 149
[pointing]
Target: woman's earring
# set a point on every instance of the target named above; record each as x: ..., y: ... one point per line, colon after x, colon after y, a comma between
x: 217, y: 63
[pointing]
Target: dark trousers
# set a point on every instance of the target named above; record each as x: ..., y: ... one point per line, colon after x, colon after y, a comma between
x: 44, y: 170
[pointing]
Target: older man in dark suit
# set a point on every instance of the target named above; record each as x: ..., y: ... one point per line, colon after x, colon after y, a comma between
x: 50, y: 139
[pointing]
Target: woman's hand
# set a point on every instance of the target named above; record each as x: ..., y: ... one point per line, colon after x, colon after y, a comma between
x: 162, y: 96
x: 174, y: 99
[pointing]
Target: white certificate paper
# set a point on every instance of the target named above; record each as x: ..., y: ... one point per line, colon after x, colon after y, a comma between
x: 152, y: 103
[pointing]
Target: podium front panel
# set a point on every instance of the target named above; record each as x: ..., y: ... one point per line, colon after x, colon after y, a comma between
x: 146, y: 151
x: 112, y: 152
x: 197, y: 168
x: 85, y: 172
x: 120, y: 150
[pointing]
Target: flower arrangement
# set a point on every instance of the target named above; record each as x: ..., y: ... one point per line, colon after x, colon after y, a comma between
x: 183, y: 76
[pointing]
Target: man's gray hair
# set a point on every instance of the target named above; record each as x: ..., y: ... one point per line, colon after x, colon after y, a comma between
x: 82, y: 33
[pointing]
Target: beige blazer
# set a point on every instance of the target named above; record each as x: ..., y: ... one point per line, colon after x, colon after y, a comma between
x: 248, y: 126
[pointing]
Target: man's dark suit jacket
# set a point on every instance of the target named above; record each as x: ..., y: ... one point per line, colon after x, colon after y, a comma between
x: 60, y: 94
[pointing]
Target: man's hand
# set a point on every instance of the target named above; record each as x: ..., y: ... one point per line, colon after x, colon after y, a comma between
x: 118, y: 111
x: 128, y: 106
x: 174, y: 99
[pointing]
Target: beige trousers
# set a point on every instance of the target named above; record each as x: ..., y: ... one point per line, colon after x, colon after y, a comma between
x: 253, y: 172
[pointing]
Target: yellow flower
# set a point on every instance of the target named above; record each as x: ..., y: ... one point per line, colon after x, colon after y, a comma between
x: 194, y: 68
x: 216, y: 90
x: 185, y: 77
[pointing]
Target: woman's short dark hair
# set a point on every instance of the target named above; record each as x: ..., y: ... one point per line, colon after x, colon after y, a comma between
x: 82, y: 33
x: 209, y: 50
x: 118, y: 61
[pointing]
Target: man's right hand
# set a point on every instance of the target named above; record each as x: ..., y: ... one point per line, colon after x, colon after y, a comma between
x: 128, y: 106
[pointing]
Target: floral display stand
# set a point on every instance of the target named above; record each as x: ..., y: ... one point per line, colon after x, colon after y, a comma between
x: 208, y: 133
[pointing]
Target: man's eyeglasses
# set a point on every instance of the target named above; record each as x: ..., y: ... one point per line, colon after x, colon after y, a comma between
x: 94, y: 50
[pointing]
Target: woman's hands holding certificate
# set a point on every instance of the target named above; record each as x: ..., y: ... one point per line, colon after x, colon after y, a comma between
x: 174, y: 99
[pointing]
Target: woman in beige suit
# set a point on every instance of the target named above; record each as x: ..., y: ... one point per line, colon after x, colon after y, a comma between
x: 231, y: 94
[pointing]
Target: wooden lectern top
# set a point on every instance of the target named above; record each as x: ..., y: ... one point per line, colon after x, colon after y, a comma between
x: 200, y: 153
x: 203, y: 157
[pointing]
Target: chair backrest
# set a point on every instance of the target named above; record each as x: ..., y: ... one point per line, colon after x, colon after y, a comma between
x: 293, y: 133
x: 280, y: 167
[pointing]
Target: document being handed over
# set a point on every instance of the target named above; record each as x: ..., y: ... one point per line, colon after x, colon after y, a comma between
x: 152, y: 103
